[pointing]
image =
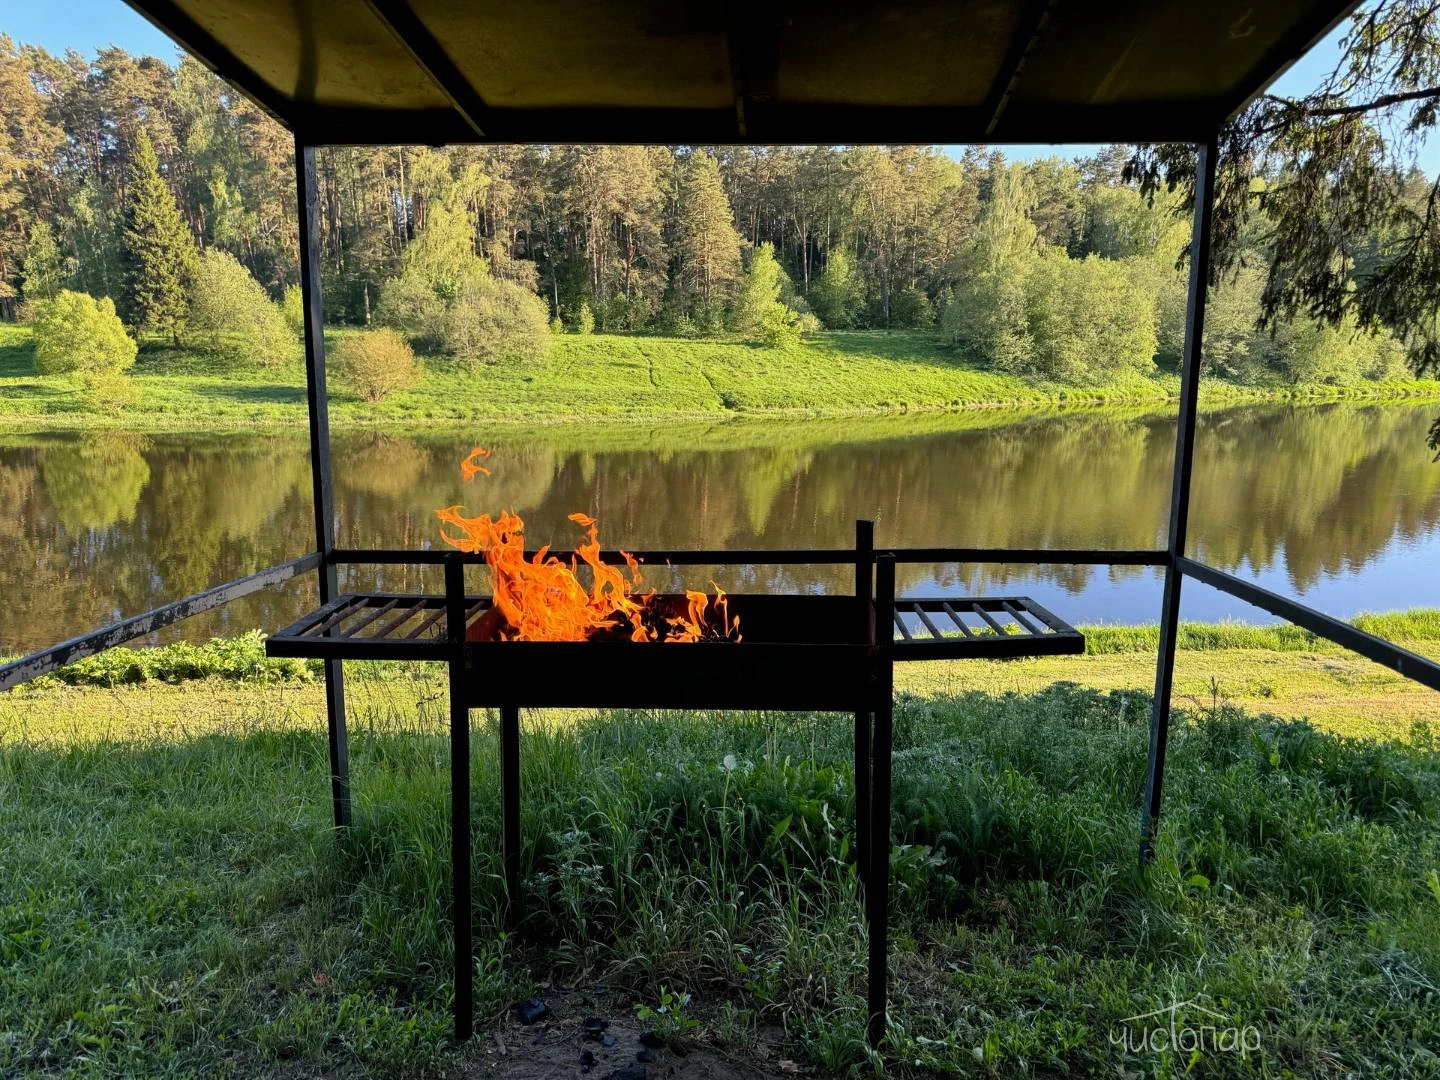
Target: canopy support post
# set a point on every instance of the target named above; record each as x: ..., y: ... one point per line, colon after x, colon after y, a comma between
x: 324, y: 491
x: 1180, y: 489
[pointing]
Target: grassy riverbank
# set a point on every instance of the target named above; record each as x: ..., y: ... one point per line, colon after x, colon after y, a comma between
x: 178, y: 906
x: 190, y: 689
x: 607, y: 378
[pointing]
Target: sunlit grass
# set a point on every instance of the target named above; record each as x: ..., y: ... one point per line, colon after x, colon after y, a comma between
x: 606, y: 377
x: 178, y: 906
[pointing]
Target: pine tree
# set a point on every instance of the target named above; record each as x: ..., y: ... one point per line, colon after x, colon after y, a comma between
x: 709, y: 243
x: 158, y: 252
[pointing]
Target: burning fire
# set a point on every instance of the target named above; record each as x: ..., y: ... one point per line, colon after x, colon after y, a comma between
x: 543, y: 599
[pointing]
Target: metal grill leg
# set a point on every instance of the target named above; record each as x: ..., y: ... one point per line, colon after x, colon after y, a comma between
x: 877, y: 888
x: 339, y: 741
x: 460, y: 852
x: 865, y: 631
x: 510, y: 810
x: 862, y: 793
x: 460, y: 899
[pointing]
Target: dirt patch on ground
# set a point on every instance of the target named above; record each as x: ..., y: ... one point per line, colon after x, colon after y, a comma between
x: 594, y: 1035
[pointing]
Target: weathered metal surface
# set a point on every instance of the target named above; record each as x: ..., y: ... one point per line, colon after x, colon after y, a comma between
x: 1411, y: 665
x: 66, y: 652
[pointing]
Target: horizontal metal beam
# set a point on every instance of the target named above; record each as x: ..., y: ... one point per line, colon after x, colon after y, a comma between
x: 786, y: 556
x: 1032, y: 556
x: 775, y: 124
x: 1407, y: 663
x: 57, y: 656
x: 417, y: 40
x: 174, y: 22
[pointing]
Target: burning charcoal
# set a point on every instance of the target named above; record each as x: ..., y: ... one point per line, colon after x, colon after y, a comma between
x: 530, y: 1010
x: 650, y: 1039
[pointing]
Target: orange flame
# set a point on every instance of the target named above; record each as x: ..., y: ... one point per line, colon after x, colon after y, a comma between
x: 542, y: 599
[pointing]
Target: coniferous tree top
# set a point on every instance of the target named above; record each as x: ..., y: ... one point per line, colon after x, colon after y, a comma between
x: 158, y: 252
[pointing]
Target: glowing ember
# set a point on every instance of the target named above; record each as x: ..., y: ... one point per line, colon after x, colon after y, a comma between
x: 543, y: 599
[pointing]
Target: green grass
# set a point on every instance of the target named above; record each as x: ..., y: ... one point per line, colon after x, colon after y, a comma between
x: 1283, y: 670
x: 605, y: 377
x: 176, y: 907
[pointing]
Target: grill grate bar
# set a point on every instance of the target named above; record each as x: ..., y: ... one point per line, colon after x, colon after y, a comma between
x: 945, y: 607
x: 375, y: 613
x: 1019, y: 617
x: 979, y: 610
x: 399, y: 620
x: 425, y: 623
x: 934, y: 630
x: 339, y: 615
x: 305, y: 623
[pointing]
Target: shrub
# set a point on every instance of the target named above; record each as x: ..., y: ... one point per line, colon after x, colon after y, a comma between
x: 375, y: 363
x: 625, y: 313
x: 709, y: 317
x: 836, y: 293
x: 75, y: 332
x: 779, y: 327
x: 234, y: 317
x: 493, y: 320
x: 292, y: 307
x: 1088, y: 319
x: 108, y: 391
x: 910, y: 309
x: 585, y: 321
x: 557, y: 326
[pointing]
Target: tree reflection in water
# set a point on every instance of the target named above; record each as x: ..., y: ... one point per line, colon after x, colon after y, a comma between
x: 102, y: 525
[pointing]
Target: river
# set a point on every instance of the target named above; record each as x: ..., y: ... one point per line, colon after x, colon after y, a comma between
x: 1337, y: 503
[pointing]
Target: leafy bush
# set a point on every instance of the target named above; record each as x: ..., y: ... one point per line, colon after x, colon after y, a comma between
x: 292, y: 306
x: 495, y: 320
x: 836, y: 294
x: 241, y: 658
x: 709, y: 317
x: 234, y: 317
x: 375, y: 363
x: 910, y: 309
x: 759, y: 313
x: 1087, y: 320
x: 585, y: 321
x: 108, y: 391
x: 445, y: 298
x: 623, y: 313
x: 779, y: 327
x: 75, y: 332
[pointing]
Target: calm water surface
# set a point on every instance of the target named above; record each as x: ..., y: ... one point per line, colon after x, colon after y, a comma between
x: 1338, y: 503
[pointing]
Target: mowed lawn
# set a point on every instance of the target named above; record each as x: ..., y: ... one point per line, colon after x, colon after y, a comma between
x: 601, y: 377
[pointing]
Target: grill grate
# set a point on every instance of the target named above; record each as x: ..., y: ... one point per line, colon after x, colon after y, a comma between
x: 950, y: 627
x: 410, y: 626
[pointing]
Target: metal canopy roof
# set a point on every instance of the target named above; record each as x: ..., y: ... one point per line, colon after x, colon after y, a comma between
x: 741, y: 71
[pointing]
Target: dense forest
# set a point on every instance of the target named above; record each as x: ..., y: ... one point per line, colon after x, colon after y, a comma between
x: 127, y: 178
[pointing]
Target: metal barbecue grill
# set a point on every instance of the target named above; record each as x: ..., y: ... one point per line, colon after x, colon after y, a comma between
x: 796, y: 653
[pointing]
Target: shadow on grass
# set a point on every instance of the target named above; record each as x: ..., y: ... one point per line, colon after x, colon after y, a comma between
x: 17, y: 356
x: 910, y: 346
